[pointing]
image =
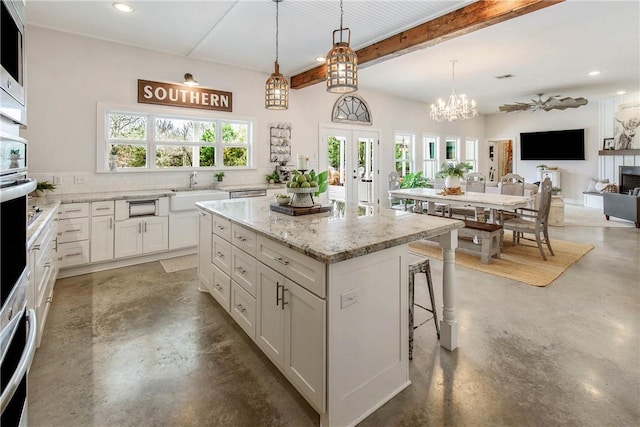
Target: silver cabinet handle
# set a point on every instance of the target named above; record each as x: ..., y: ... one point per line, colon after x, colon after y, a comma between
x: 139, y: 228
x: 218, y: 287
x: 73, y: 254
x: 145, y: 227
x: 241, y: 309
x: 55, y: 248
x: 282, y: 261
x: 219, y: 254
x: 36, y: 247
x: 241, y: 270
x: 219, y: 227
x: 242, y: 239
x: 73, y: 230
x: 202, y: 214
x: 103, y: 209
x: 71, y: 210
x: 283, y: 301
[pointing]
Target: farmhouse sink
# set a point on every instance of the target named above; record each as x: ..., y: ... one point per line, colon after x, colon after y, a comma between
x: 184, y: 200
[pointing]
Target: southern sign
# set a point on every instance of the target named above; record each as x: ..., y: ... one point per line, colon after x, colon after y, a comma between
x: 183, y: 96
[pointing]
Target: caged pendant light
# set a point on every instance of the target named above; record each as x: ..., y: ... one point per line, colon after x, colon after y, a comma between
x: 276, y: 89
x: 342, y: 63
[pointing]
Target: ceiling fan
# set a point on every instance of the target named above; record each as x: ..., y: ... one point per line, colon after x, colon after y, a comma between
x: 551, y: 103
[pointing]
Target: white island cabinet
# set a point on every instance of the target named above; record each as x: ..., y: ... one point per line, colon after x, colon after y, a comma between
x: 324, y: 296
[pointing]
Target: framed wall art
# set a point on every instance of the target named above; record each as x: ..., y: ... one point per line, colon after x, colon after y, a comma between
x: 625, y: 127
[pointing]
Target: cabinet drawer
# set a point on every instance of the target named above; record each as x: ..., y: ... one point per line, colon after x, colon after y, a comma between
x: 307, y: 272
x: 243, y: 270
x: 221, y: 254
x: 73, y: 253
x: 243, y: 309
x: 71, y: 230
x: 221, y: 288
x: 102, y: 208
x: 244, y: 239
x: 73, y: 210
x: 221, y: 227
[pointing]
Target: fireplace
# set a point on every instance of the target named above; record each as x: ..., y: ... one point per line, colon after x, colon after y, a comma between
x: 629, y: 178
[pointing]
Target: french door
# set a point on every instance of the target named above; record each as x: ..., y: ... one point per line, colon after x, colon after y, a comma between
x: 351, y: 157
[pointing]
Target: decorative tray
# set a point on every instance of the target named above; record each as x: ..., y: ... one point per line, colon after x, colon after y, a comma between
x: 294, y: 211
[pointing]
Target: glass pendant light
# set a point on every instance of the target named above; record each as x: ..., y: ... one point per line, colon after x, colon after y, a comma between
x: 276, y: 89
x: 342, y: 63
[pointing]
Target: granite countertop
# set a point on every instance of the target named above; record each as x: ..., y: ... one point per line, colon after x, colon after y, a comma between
x: 49, y: 208
x: 246, y: 187
x: 333, y: 236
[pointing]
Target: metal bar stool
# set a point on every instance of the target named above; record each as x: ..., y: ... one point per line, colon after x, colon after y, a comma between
x: 415, y: 268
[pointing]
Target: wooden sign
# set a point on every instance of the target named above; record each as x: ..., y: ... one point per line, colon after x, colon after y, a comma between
x: 183, y: 96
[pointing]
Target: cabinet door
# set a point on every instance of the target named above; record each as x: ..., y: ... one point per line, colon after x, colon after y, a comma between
x: 205, y: 270
x: 155, y: 235
x: 304, y: 343
x: 221, y: 288
x: 270, y: 315
x: 243, y: 309
x: 101, y: 238
x: 72, y: 230
x: 183, y: 230
x: 128, y: 238
x: 221, y: 254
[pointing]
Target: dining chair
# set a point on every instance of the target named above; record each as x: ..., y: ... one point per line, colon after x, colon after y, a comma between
x: 511, y: 184
x: 533, y: 221
x: 475, y: 182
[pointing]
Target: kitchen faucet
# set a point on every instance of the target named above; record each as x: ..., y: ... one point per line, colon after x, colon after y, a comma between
x: 192, y: 179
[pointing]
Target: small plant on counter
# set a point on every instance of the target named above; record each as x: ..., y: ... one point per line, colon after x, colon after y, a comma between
x: 273, y: 178
x: 542, y: 166
x: 43, y: 186
x: 219, y: 176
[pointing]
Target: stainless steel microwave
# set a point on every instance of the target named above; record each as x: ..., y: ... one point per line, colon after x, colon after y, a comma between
x: 12, y: 60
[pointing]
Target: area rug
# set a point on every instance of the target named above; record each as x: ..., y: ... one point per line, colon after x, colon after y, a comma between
x: 185, y: 262
x: 518, y: 262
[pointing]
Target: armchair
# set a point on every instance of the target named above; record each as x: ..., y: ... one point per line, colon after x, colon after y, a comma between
x: 625, y: 206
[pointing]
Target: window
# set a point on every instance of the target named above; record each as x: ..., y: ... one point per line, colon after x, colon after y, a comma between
x: 451, y: 149
x: 430, y: 156
x: 471, y: 153
x: 143, y: 140
x: 404, y: 153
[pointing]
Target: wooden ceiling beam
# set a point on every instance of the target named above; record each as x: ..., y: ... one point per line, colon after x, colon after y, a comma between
x: 465, y: 20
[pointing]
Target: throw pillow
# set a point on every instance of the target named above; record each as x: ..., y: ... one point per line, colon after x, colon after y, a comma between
x: 591, y: 187
x: 601, y: 185
x: 636, y: 191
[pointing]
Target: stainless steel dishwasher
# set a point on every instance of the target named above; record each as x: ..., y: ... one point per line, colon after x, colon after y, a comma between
x: 247, y: 193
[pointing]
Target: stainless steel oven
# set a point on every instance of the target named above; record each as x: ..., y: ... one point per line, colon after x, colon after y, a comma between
x: 17, y: 325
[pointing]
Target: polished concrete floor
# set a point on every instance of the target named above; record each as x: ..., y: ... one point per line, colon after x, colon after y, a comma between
x: 136, y: 346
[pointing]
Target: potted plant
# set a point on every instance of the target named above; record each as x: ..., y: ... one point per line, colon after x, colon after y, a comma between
x: 43, y: 186
x: 219, y: 176
x: 542, y: 167
x: 273, y: 178
x: 453, y: 173
x: 415, y: 180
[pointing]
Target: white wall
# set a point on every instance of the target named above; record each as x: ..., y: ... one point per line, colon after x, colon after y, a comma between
x: 68, y: 75
x: 574, y: 174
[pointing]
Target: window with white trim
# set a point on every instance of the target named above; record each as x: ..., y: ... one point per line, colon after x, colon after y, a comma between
x: 137, y: 140
x: 430, y: 156
x: 404, y: 152
x: 471, y: 153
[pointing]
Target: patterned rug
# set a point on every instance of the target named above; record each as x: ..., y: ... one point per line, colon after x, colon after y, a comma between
x: 179, y: 263
x: 520, y: 262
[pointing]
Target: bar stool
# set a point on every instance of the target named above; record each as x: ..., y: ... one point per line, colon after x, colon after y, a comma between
x: 415, y: 268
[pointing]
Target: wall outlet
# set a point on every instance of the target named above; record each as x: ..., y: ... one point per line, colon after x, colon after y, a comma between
x: 78, y: 179
x: 57, y: 180
x: 349, y: 298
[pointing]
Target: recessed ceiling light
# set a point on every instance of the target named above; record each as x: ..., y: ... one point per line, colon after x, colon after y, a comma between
x: 321, y: 58
x: 620, y: 92
x: 122, y: 7
x: 594, y: 73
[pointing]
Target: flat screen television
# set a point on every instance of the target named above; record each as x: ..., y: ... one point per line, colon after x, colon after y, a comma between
x: 552, y: 145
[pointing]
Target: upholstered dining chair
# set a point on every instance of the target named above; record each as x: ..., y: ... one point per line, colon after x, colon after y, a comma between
x: 533, y: 221
x: 474, y: 183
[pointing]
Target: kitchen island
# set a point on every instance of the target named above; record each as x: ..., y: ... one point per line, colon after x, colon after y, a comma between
x: 324, y: 296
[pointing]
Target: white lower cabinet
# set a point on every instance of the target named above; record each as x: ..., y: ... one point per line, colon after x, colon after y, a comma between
x: 205, y: 267
x: 102, y: 238
x: 137, y: 236
x: 221, y: 288
x: 243, y: 309
x: 290, y: 331
x: 183, y: 229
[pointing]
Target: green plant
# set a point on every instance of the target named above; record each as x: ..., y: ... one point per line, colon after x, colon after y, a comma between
x: 45, y: 186
x: 542, y: 166
x: 273, y: 176
x: 454, y: 169
x: 415, y: 180
x: 14, y: 152
x: 218, y: 175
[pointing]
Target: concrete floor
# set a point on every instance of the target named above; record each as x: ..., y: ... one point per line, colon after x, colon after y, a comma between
x: 136, y: 346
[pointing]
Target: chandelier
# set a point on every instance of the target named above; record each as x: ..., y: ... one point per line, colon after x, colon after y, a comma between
x: 458, y: 107
x: 342, y: 63
x: 276, y: 89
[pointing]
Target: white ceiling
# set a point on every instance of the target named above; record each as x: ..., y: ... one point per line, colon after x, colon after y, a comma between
x: 549, y: 51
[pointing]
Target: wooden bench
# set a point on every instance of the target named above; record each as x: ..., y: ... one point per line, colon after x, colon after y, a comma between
x: 490, y: 236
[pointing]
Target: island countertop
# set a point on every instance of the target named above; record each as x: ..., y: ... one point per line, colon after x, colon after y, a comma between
x: 334, y: 236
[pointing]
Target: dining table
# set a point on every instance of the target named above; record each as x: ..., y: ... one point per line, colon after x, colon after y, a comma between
x: 480, y: 201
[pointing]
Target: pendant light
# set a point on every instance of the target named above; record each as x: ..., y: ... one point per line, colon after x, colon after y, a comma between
x: 189, y: 80
x: 276, y: 89
x: 342, y: 63
x: 457, y: 107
